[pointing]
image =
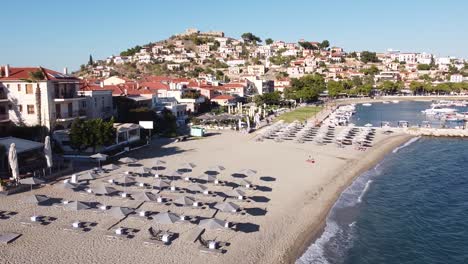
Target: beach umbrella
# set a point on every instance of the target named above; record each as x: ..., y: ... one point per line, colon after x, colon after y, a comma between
x: 13, y: 161
x: 68, y: 185
x: 245, y: 182
x: 87, y: 176
x: 227, y: 207
x: 127, y: 160
x: 159, y: 163
x: 207, y: 177
x: 187, y: 165
x: 48, y: 152
x: 212, y: 223
x: 102, y: 189
x: 126, y: 180
x: 197, y: 187
x: 185, y: 200
x: 145, y: 196
x: 143, y: 170
x: 166, y: 218
x: 214, y: 169
x: 119, y: 212
x: 37, y: 199
x: 31, y: 181
x: 174, y: 174
x: 247, y: 172
x: 77, y: 206
x: 111, y: 167
x: 161, y: 184
x: 99, y: 157
x: 237, y: 192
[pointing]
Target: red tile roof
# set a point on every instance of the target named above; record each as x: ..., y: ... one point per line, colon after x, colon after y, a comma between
x: 22, y: 73
x: 223, y: 97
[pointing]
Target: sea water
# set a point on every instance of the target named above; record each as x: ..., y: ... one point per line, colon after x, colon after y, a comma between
x: 410, y: 208
x: 403, y: 111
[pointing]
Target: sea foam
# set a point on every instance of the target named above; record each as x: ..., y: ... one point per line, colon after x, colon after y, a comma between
x: 409, y: 142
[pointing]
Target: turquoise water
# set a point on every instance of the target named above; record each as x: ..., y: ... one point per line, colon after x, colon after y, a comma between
x: 411, y: 208
x: 403, y: 111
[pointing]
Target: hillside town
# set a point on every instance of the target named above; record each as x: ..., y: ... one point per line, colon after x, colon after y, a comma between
x: 196, y: 72
x: 209, y: 148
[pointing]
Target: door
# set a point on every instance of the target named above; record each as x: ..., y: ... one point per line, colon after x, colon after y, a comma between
x: 70, y: 110
x: 58, y: 111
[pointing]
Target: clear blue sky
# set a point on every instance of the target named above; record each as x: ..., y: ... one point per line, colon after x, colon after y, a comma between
x: 63, y: 33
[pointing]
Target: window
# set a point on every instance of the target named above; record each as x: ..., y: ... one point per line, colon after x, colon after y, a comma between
x: 19, y: 87
x: 20, y: 108
x: 29, y: 88
x: 30, y: 109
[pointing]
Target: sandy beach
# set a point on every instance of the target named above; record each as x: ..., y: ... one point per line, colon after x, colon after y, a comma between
x: 281, y: 217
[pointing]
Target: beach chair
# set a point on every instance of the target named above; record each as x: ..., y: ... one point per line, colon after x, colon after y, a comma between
x: 211, y: 246
x: 159, y: 237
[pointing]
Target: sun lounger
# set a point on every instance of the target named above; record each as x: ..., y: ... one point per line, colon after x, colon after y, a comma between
x: 79, y: 227
x: 40, y: 220
x: 121, y: 233
x: 211, y: 246
x: 7, y: 238
x: 159, y: 237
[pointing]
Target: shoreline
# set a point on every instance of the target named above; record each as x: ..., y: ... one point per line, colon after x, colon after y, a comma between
x: 315, y: 229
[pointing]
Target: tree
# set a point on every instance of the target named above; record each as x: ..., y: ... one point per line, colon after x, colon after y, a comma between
x: 372, y: 70
x: 325, y: 44
x: 424, y: 67
x: 390, y: 87
x: 91, y: 133
x: 273, y: 98
x: 91, y: 61
x: 365, y: 89
x: 268, y: 41
x: 334, y: 88
x: 306, y: 88
x: 367, y: 56
x: 37, y: 76
x: 130, y: 51
x: 419, y: 87
x: 251, y: 38
x: 307, y: 45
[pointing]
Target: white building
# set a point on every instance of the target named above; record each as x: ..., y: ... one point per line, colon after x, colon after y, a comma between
x: 424, y: 58
x: 256, y: 70
x: 407, y: 57
x: 456, y: 78
x: 48, y: 100
x: 98, y: 103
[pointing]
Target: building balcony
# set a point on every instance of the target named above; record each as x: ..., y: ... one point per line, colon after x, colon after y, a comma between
x: 3, y: 98
x: 4, y: 118
x: 68, y: 98
x: 65, y: 117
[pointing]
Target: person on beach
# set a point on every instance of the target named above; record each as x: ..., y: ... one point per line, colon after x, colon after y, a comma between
x: 310, y: 159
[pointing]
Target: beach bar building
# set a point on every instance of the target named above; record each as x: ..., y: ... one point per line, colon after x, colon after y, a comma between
x: 30, y: 156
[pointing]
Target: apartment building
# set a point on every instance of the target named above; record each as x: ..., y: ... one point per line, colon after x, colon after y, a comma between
x: 39, y: 96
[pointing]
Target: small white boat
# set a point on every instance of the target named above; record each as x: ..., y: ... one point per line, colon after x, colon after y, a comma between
x: 385, y: 102
x: 395, y: 101
x: 439, y: 110
x: 368, y: 125
x: 367, y: 104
